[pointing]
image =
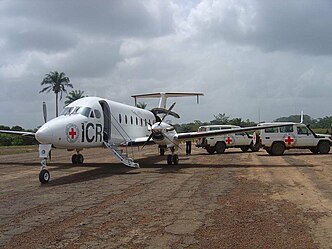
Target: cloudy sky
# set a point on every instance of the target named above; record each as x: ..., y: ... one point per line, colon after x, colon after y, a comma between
x: 251, y: 58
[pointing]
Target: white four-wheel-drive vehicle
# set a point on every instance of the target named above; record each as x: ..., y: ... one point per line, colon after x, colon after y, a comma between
x: 218, y: 144
x: 293, y: 135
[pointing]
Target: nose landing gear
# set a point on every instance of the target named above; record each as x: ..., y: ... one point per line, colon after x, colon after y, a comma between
x: 44, y: 153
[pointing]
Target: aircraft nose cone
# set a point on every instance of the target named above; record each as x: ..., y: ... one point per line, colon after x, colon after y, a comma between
x: 44, y: 135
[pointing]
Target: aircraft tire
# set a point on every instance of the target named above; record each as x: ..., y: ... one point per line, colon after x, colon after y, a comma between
x: 44, y: 176
x: 175, y: 159
x: 74, y: 159
x: 169, y: 159
x: 323, y: 147
x: 80, y: 159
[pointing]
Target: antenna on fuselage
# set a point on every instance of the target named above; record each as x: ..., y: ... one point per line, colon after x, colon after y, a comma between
x: 45, y: 111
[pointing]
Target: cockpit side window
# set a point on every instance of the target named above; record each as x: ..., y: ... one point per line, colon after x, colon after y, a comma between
x: 66, y: 111
x: 85, y: 111
x: 97, y: 113
x: 92, y: 114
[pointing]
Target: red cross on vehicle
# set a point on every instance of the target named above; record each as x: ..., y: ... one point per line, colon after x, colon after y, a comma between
x: 72, y: 133
x: 289, y: 140
x: 229, y: 140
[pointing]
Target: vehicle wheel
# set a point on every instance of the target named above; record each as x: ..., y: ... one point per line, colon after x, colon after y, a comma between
x: 323, y: 147
x: 44, y: 176
x: 220, y: 147
x: 80, y: 159
x: 74, y: 159
x: 169, y: 159
x: 211, y: 150
x: 175, y: 159
x: 277, y: 149
x: 268, y: 150
x: 254, y: 147
x: 244, y: 148
x: 314, y: 150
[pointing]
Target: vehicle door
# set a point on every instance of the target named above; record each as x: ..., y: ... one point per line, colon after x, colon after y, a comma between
x: 242, y: 138
x: 304, y: 136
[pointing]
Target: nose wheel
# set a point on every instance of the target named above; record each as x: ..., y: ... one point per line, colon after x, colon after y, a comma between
x: 77, y: 159
x: 173, y: 159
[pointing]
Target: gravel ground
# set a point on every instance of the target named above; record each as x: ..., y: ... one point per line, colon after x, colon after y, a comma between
x: 234, y: 200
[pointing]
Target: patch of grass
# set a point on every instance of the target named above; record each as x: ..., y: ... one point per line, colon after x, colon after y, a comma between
x: 11, y: 150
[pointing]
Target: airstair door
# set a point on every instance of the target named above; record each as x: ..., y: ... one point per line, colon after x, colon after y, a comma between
x: 107, y: 120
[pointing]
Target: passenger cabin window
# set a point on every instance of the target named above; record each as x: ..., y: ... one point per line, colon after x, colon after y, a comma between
x: 131, y: 119
x: 286, y: 129
x: 141, y: 122
x: 136, y: 121
x: 126, y: 119
x: 120, y: 119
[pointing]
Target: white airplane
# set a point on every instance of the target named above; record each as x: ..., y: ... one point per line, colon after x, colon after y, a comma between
x: 97, y: 122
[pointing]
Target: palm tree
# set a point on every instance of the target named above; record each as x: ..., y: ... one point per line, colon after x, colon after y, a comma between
x: 56, y: 82
x: 141, y: 105
x: 74, y: 95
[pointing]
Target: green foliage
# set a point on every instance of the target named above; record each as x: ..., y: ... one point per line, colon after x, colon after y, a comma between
x: 74, y: 95
x: 10, y: 139
x: 56, y: 82
x: 141, y: 105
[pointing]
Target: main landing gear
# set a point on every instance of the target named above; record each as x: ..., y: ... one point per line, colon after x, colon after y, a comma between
x: 77, y: 158
x: 173, y: 159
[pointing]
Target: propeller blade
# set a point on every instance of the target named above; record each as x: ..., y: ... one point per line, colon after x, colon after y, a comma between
x: 45, y: 112
x: 149, y: 138
x: 168, y: 111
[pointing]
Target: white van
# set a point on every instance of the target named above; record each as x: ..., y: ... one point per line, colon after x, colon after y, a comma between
x: 218, y: 144
x: 295, y: 135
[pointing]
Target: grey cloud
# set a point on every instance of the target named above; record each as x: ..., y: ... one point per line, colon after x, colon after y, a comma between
x: 299, y: 26
x: 102, y: 17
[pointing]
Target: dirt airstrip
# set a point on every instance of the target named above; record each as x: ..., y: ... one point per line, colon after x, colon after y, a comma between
x: 234, y: 200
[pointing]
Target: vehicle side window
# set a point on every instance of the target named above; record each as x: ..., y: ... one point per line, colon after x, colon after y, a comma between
x: 97, y: 113
x: 271, y: 130
x: 214, y: 128
x: 286, y: 129
x: 302, y: 130
x: 240, y: 134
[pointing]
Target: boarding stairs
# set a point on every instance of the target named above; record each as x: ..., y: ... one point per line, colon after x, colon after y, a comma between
x: 123, y: 157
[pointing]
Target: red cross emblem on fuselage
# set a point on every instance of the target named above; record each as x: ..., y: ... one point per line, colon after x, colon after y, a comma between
x: 72, y: 133
x: 289, y: 140
x: 229, y: 140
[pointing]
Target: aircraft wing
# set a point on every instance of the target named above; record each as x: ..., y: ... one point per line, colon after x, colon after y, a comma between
x: 140, y: 142
x: 191, y: 135
x: 22, y: 133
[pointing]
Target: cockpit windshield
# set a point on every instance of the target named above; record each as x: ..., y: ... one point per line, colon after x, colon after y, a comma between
x: 85, y: 111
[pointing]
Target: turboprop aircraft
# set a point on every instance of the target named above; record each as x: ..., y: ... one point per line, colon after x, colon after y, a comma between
x: 97, y: 122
